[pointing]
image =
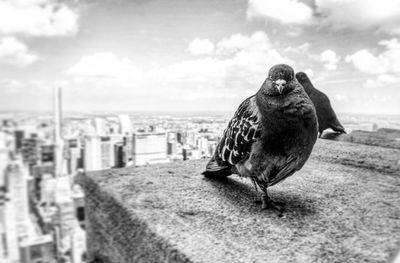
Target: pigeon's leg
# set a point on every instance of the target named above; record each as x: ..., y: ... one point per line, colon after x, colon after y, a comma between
x: 267, y: 202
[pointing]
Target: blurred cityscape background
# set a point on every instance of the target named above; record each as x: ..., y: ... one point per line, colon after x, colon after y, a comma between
x: 42, y: 214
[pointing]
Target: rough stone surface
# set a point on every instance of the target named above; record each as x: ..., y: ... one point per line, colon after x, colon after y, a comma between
x: 343, y: 206
x: 389, y: 138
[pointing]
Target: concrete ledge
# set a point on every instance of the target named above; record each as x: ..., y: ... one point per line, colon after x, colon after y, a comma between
x: 338, y: 210
x: 383, y: 137
x: 375, y: 158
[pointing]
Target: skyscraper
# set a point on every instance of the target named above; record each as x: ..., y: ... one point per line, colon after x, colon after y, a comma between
x: 149, y: 148
x: 107, y: 153
x: 92, y: 152
x: 18, y: 137
x: 125, y: 124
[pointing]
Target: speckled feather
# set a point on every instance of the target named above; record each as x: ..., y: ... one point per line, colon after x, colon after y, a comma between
x: 243, y: 129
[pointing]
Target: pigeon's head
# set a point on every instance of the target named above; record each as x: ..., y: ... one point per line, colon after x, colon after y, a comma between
x: 279, y: 81
x: 302, y: 77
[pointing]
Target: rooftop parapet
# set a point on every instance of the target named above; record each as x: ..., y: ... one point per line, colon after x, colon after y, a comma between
x: 343, y: 206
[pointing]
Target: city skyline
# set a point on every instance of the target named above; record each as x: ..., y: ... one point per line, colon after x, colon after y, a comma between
x: 194, y: 56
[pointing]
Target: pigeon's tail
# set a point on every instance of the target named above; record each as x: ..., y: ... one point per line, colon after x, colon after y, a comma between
x: 214, y: 170
x: 337, y: 127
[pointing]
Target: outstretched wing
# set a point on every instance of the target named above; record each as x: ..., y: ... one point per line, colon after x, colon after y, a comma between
x: 235, y: 145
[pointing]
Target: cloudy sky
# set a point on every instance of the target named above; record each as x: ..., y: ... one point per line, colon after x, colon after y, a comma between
x: 195, y: 55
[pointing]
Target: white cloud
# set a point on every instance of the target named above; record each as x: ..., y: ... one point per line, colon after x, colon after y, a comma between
x: 237, y: 42
x: 384, y: 67
x: 229, y: 73
x: 330, y: 59
x: 15, y: 52
x: 366, y: 62
x: 309, y: 72
x: 201, y: 47
x: 11, y: 86
x: 361, y: 14
x: 299, y: 49
x: 37, y: 18
x: 341, y: 98
x: 286, y: 11
x: 383, y: 16
x: 387, y: 61
x: 382, y: 81
x: 239, y: 57
x: 104, y: 65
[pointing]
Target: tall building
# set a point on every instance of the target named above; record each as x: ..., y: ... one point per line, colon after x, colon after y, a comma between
x: 3, y: 248
x: 119, y: 155
x: 128, y: 148
x: 16, y: 209
x: 179, y: 137
x: 190, y: 137
x: 149, y: 148
x: 107, y: 153
x: 47, y: 153
x: 125, y: 124
x: 37, y: 249
x: 92, y: 152
x: 100, y: 126
x: 17, y: 178
x: 73, y: 160
x: 172, y: 148
x: 31, y: 150
x: 18, y: 137
x: 203, y: 146
x: 98, y: 152
x: 66, y: 213
x: 3, y: 198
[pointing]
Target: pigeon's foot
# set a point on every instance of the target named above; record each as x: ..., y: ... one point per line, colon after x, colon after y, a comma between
x: 268, y: 203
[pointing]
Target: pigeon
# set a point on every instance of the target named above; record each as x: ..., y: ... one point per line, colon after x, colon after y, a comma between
x: 326, y: 116
x: 270, y: 136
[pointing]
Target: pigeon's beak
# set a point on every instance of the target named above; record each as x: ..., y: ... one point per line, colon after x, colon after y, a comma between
x: 280, y: 88
x: 280, y: 85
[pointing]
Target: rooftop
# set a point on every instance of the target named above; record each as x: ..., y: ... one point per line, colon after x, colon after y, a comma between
x: 341, y: 207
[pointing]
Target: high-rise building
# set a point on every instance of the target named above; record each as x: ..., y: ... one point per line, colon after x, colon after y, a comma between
x: 78, y: 248
x: 202, y: 143
x: 190, y: 137
x: 31, y: 150
x: 125, y: 124
x: 179, y: 137
x: 99, y: 152
x: 18, y: 137
x: 73, y: 160
x: 92, y: 152
x: 66, y: 212
x: 149, y: 148
x: 3, y: 244
x: 119, y: 155
x: 37, y: 249
x: 16, y: 209
x: 47, y: 153
x: 11, y: 234
x: 128, y: 148
x: 17, y: 178
x: 107, y: 153
x: 172, y: 148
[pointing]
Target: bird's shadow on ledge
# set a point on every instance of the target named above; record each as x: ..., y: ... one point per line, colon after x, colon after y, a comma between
x: 244, y: 195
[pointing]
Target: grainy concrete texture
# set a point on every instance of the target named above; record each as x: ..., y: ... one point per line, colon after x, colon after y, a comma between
x: 383, y: 137
x: 343, y: 206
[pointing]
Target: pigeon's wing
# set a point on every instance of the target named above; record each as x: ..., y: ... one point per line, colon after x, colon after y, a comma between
x: 235, y: 145
x: 293, y: 163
